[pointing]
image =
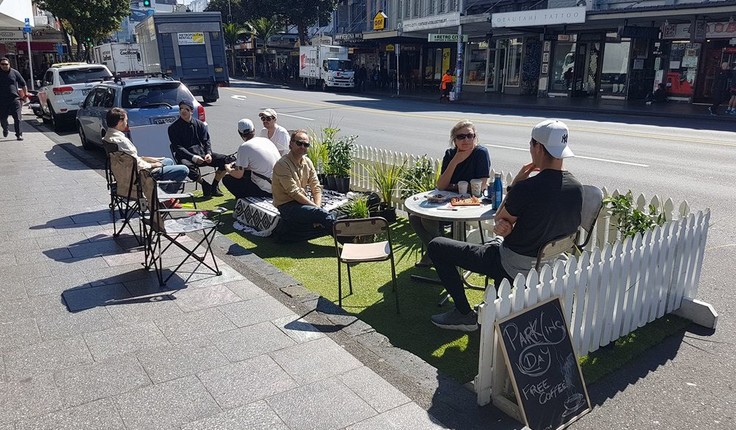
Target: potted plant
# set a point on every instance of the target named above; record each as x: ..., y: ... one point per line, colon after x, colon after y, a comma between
x: 340, y: 160
x: 357, y: 207
x: 419, y: 178
x: 317, y: 154
x: 387, y: 179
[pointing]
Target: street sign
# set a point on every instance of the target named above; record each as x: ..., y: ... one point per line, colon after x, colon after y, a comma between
x: 432, y: 37
x: 27, y: 26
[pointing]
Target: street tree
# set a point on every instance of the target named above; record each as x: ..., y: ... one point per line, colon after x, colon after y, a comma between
x: 263, y: 28
x: 305, y: 13
x: 87, y: 21
x: 232, y: 32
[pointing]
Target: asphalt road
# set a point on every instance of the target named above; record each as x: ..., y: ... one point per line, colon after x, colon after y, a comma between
x: 688, y: 382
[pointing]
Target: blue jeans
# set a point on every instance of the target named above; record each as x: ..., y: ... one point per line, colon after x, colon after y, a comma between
x: 297, y: 222
x: 170, y: 172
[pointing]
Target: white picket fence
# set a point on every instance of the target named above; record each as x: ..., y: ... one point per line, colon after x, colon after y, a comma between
x: 616, y: 286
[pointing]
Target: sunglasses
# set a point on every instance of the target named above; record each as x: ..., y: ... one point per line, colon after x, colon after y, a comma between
x: 302, y: 143
x: 4, y: 64
x: 266, y: 118
x: 462, y: 136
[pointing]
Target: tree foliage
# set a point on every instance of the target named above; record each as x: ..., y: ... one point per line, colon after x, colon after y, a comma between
x: 87, y: 19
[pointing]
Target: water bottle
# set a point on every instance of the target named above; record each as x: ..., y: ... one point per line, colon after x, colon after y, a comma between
x: 497, y: 191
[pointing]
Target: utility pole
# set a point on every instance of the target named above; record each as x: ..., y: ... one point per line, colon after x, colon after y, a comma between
x: 460, y: 49
x: 399, y: 27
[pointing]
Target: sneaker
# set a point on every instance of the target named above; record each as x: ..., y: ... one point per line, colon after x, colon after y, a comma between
x: 5, y: 132
x: 19, y: 137
x: 206, y: 189
x: 216, y: 191
x: 733, y: 112
x: 454, y: 320
x: 710, y: 111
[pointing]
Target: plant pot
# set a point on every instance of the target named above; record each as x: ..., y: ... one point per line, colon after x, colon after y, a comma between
x: 343, y: 184
x: 321, y: 177
x: 330, y: 182
x: 385, y: 212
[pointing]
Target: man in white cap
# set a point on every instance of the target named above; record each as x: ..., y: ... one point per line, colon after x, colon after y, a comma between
x: 536, y: 210
x: 250, y: 174
x: 274, y: 132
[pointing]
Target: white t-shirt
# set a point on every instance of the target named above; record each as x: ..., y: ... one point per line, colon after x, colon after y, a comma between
x: 258, y: 155
x: 280, y: 138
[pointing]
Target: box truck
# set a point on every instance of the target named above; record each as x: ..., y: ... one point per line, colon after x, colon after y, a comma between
x: 189, y: 47
x: 326, y: 66
x: 123, y: 59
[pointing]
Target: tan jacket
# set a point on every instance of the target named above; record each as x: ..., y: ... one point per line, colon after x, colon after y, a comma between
x: 290, y: 177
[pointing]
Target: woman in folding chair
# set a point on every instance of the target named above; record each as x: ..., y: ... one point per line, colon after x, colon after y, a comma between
x: 536, y: 210
x: 464, y: 160
x: 162, y: 169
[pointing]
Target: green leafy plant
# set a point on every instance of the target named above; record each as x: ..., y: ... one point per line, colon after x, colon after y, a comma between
x: 340, y: 156
x: 318, y: 150
x: 386, y: 178
x: 356, y: 207
x: 629, y: 219
x: 419, y: 178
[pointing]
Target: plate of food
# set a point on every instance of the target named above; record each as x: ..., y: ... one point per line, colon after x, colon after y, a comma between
x: 438, y: 197
x: 465, y: 201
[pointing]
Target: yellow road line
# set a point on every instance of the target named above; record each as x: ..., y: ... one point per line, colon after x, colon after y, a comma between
x: 583, y: 129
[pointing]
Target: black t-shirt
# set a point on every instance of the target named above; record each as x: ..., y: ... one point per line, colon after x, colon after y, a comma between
x: 10, y: 81
x: 477, y: 165
x: 546, y: 206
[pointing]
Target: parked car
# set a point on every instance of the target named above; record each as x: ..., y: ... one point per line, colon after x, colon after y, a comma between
x: 152, y: 105
x: 63, y: 88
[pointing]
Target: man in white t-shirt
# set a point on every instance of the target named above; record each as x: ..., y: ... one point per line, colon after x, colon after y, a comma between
x: 274, y: 132
x: 250, y: 174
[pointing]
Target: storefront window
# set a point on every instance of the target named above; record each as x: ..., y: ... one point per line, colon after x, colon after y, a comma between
x: 683, y: 68
x: 563, y: 65
x: 615, y: 68
x: 475, y: 63
x: 513, y: 74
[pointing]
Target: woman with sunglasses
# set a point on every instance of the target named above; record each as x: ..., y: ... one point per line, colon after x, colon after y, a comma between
x: 274, y: 132
x: 463, y: 161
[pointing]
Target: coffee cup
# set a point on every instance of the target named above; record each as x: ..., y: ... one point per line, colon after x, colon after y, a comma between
x: 475, y: 187
x: 462, y: 187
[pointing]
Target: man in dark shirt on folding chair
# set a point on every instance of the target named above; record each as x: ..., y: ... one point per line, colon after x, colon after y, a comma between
x: 536, y: 210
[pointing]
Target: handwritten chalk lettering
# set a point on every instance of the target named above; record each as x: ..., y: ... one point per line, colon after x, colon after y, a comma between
x: 534, y: 341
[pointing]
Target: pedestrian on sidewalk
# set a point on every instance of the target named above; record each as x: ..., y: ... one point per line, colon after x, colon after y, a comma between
x: 162, y: 169
x: 12, y: 92
x: 446, y: 85
x: 732, y: 102
x: 721, y: 86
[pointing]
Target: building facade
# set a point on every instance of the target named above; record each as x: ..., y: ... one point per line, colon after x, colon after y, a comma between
x: 618, y: 49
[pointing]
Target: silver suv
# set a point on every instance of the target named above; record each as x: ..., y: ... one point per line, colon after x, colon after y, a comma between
x: 64, y: 87
x: 152, y: 104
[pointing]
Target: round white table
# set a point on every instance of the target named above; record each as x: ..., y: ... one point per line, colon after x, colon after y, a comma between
x: 458, y: 215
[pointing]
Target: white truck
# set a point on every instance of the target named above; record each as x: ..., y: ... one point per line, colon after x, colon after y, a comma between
x: 123, y: 59
x: 326, y: 66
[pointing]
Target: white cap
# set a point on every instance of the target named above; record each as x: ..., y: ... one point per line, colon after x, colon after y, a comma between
x: 553, y: 135
x: 245, y: 126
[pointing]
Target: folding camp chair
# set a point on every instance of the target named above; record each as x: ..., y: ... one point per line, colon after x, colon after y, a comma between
x: 367, y: 251
x: 159, y: 223
x: 122, y: 180
x: 554, y: 248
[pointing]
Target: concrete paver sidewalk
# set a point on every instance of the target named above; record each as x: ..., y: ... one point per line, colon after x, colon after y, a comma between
x: 209, y: 352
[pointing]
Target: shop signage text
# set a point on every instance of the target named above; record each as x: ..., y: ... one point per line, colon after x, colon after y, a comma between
x: 527, y: 18
x: 379, y: 21
x: 445, y: 37
x: 429, y: 22
x: 714, y: 30
x: 190, y: 38
x: 348, y: 37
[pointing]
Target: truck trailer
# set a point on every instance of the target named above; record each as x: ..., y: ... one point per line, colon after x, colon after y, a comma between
x: 123, y: 59
x: 326, y: 67
x: 189, y: 47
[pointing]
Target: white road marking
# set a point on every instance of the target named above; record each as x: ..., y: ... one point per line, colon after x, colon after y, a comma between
x: 296, y: 116
x: 238, y: 97
x: 605, y: 160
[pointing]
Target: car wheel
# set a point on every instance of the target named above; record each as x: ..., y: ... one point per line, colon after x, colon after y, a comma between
x: 86, y: 144
x: 55, y: 119
x: 209, y: 99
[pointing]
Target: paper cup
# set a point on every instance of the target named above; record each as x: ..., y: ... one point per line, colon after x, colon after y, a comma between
x: 462, y: 187
x: 475, y: 187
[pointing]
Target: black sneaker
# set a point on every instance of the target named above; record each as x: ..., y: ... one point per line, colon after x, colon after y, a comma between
x: 19, y: 137
x: 206, y: 189
x: 454, y: 320
x: 215, y: 191
x: 710, y: 111
x: 5, y: 132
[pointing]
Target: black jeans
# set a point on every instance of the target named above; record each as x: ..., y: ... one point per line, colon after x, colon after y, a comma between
x: 243, y: 187
x: 12, y: 108
x: 297, y: 222
x: 449, y: 254
x: 218, y: 161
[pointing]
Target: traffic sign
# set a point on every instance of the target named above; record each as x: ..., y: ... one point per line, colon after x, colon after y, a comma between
x: 27, y: 25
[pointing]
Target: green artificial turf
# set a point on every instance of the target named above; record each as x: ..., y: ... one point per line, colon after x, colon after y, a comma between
x: 454, y: 353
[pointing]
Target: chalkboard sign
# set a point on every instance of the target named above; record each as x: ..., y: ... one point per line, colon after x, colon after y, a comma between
x: 545, y: 373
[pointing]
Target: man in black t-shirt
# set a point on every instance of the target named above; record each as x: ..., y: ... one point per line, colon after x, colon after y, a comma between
x: 12, y: 92
x: 536, y: 210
